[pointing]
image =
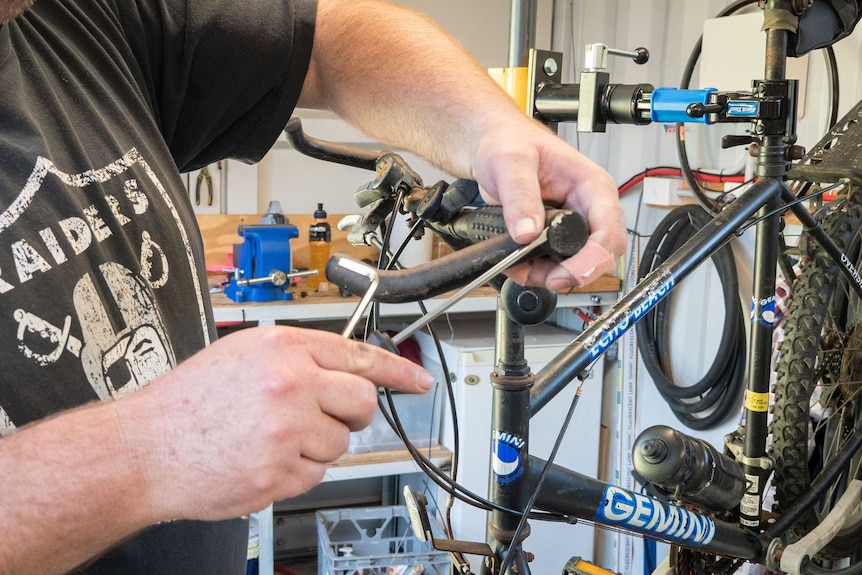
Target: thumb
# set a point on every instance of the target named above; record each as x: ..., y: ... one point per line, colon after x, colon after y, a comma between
x: 515, y: 185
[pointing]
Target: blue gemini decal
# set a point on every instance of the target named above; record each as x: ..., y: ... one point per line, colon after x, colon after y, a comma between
x: 648, y: 516
x: 506, y: 457
x: 764, y: 313
x: 597, y: 346
x: 743, y: 109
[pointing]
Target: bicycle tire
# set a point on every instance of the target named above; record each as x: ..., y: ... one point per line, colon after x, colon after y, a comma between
x: 822, y: 319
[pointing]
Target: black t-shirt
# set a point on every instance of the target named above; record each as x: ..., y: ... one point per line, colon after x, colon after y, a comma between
x: 102, y: 284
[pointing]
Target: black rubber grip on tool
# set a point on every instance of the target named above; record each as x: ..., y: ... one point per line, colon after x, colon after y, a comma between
x: 567, y: 234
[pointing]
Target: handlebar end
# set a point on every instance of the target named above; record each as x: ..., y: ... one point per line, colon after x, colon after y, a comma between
x: 350, y: 274
x: 567, y: 234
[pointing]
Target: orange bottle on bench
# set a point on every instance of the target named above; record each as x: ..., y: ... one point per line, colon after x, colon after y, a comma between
x: 319, y: 240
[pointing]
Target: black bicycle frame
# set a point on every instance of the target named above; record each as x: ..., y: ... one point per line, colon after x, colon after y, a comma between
x: 518, y: 396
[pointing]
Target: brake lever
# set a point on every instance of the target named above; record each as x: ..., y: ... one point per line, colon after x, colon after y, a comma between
x: 378, y: 197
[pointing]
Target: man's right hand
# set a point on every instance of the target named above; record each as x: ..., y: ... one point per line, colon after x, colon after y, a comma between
x: 255, y: 418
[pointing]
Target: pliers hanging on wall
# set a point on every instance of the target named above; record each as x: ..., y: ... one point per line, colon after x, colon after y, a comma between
x: 204, y: 176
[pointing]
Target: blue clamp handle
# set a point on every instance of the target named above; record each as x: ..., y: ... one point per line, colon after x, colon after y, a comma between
x: 669, y: 105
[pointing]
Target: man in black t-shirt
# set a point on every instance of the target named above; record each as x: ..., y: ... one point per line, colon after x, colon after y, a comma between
x: 131, y: 438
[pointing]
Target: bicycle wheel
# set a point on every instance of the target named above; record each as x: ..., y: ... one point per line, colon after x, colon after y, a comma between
x: 818, y: 394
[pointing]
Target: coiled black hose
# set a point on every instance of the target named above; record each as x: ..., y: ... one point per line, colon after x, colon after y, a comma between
x: 708, y: 402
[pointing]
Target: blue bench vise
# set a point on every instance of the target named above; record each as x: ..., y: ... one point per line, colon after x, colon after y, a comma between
x: 262, y: 264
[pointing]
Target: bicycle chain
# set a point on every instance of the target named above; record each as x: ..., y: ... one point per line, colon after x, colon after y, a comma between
x: 690, y: 562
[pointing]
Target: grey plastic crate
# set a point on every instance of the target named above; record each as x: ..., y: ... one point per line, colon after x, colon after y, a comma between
x: 370, y: 540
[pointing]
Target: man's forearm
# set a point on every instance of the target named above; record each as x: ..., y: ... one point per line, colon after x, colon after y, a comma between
x: 70, y: 489
x: 400, y: 78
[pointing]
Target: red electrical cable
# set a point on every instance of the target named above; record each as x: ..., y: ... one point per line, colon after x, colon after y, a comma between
x: 675, y: 172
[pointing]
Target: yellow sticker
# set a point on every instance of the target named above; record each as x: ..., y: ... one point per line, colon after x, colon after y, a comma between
x: 756, y: 401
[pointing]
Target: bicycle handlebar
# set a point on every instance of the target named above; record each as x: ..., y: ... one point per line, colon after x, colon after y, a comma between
x: 567, y: 234
x: 329, y: 151
x: 481, y: 232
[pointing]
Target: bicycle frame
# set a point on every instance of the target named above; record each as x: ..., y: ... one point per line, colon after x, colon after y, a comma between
x: 518, y: 396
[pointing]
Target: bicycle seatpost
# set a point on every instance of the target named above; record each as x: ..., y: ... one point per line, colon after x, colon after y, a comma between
x: 772, y: 164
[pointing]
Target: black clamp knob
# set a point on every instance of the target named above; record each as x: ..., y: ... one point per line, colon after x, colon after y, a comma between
x: 698, y: 110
